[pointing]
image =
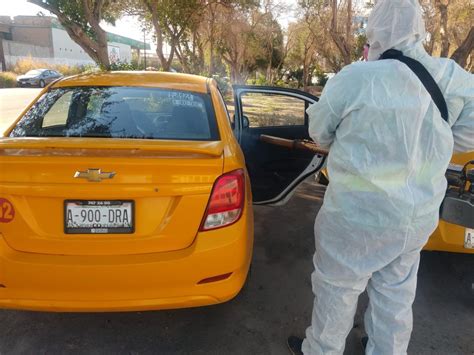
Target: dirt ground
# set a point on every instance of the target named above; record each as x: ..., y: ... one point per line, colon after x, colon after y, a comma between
x: 275, y: 303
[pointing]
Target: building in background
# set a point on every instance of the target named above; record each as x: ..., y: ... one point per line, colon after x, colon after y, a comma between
x: 44, y: 39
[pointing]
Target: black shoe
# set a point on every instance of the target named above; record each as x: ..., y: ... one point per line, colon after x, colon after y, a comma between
x: 294, y: 344
x: 364, y: 342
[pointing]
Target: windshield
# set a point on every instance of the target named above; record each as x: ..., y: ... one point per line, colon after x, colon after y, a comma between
x: 34, y: 72
x: 120, y: 112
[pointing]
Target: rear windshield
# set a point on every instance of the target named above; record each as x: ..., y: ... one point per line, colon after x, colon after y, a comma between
x: 120, y: 112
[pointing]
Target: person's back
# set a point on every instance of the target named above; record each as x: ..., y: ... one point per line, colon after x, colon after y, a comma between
x: 389, y: 151
x: 400, y: 147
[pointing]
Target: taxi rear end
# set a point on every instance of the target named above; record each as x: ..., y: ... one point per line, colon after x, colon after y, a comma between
x: 123, y: 192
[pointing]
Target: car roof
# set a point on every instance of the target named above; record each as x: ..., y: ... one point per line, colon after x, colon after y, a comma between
x: 155, y: 79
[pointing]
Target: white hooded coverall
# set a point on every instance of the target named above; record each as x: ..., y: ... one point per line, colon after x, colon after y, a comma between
x: 389, y: 151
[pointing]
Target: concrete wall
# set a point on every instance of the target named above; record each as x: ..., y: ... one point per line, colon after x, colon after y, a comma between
x: 68, y: 51
x: 15, y: 51
x: 119, y: 52
x: 32, y: 30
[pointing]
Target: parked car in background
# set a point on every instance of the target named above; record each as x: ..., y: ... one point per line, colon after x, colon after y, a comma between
x: 38, y: 78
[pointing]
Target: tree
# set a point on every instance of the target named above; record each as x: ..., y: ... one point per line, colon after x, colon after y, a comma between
x: 303, y: 53
x: 219, y: 17
x: 462, y: 53
x: 170, y: 19
x: 342, y: 36
x: 449, y: 27
x: 81, y: 20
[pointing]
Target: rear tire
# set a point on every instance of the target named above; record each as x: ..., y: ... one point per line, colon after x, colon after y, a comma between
x: 42, y: 84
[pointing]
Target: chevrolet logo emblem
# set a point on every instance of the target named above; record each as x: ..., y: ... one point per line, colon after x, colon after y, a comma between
x: 93, y: 175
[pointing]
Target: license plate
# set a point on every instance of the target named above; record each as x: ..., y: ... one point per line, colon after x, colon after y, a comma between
x: 469, y: 239
x: 98, y: 217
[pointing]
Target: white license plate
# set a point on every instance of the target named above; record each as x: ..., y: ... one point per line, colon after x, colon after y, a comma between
x: 98, y: 217
x: 469, y: 239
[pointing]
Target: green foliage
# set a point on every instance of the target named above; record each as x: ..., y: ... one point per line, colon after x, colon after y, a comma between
x: 322, y: 77
x: 125, y: 66
x: 7, y: 80
x: 224, y: 84
x: 358, y: 48
x: 266, y: 41
x: 258, y: 80
x: 74, y: 13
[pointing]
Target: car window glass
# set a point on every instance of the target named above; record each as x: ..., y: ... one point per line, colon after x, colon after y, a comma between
x: 271, y: 110
x: 33, y: 72
x: 58, y: 113
x: 121, y: 112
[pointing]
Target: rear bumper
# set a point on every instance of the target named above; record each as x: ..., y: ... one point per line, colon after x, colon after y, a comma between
x: 27, y: 85
x: 129, y: 282
x: 448, y: 237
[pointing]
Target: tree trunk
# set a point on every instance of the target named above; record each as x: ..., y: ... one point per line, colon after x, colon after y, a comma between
x: 349, y: 22
x: 305, y: 74
x: 443, y: 10
x: 102, y: 50
x: 431, y: 45
x: 343, y: 43
x: 3, y: 64
x: 463, y: 52
x: 211, y: 41
x: 182, y: 59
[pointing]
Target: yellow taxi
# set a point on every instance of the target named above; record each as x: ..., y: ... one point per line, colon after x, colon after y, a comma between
x: 451, y: 237
x: 133, y: 190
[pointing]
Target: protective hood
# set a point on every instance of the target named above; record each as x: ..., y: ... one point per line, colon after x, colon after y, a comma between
x: 394, y: 24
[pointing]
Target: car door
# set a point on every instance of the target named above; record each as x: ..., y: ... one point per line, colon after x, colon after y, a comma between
x: 274, y: 171
x: 48, y: 76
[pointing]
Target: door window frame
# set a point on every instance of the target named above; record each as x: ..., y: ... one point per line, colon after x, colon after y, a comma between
x: 316, y: 163
x: 239, y: 90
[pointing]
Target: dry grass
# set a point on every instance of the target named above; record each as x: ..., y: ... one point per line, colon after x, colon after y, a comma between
x: 25, y: 65
x: 7, y: 80
x: 265, y: 110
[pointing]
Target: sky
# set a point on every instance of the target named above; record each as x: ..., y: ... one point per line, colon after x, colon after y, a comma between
x: 127, y: 26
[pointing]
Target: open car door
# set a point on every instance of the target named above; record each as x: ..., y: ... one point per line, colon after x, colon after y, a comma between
x: 274, y: 171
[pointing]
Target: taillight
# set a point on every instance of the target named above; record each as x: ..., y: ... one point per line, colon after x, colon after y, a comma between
x: 227, y: 201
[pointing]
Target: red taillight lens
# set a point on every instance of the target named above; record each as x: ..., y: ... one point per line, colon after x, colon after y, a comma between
x: 227, y: 201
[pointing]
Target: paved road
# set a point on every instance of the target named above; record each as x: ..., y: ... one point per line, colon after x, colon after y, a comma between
x: 12, y: 103
x: 276, y: 302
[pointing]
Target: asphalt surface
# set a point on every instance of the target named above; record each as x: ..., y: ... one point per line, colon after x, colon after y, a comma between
x: 275, y: 303
x: 13, y: 102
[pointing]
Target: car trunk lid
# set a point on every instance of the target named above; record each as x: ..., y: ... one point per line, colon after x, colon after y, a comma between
x: 169, y: 183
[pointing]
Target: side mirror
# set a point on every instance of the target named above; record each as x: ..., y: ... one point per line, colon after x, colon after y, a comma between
x: 245, y: 122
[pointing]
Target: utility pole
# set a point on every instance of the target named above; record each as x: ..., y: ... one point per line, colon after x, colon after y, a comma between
x: 144, y: 47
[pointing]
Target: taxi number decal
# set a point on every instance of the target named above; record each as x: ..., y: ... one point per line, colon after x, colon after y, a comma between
x: 7, y: 212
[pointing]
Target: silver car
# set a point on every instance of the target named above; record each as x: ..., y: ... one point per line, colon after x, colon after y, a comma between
x: 38, y: 78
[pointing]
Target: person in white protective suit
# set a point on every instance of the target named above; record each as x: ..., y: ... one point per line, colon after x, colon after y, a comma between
x: 389, y: 151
